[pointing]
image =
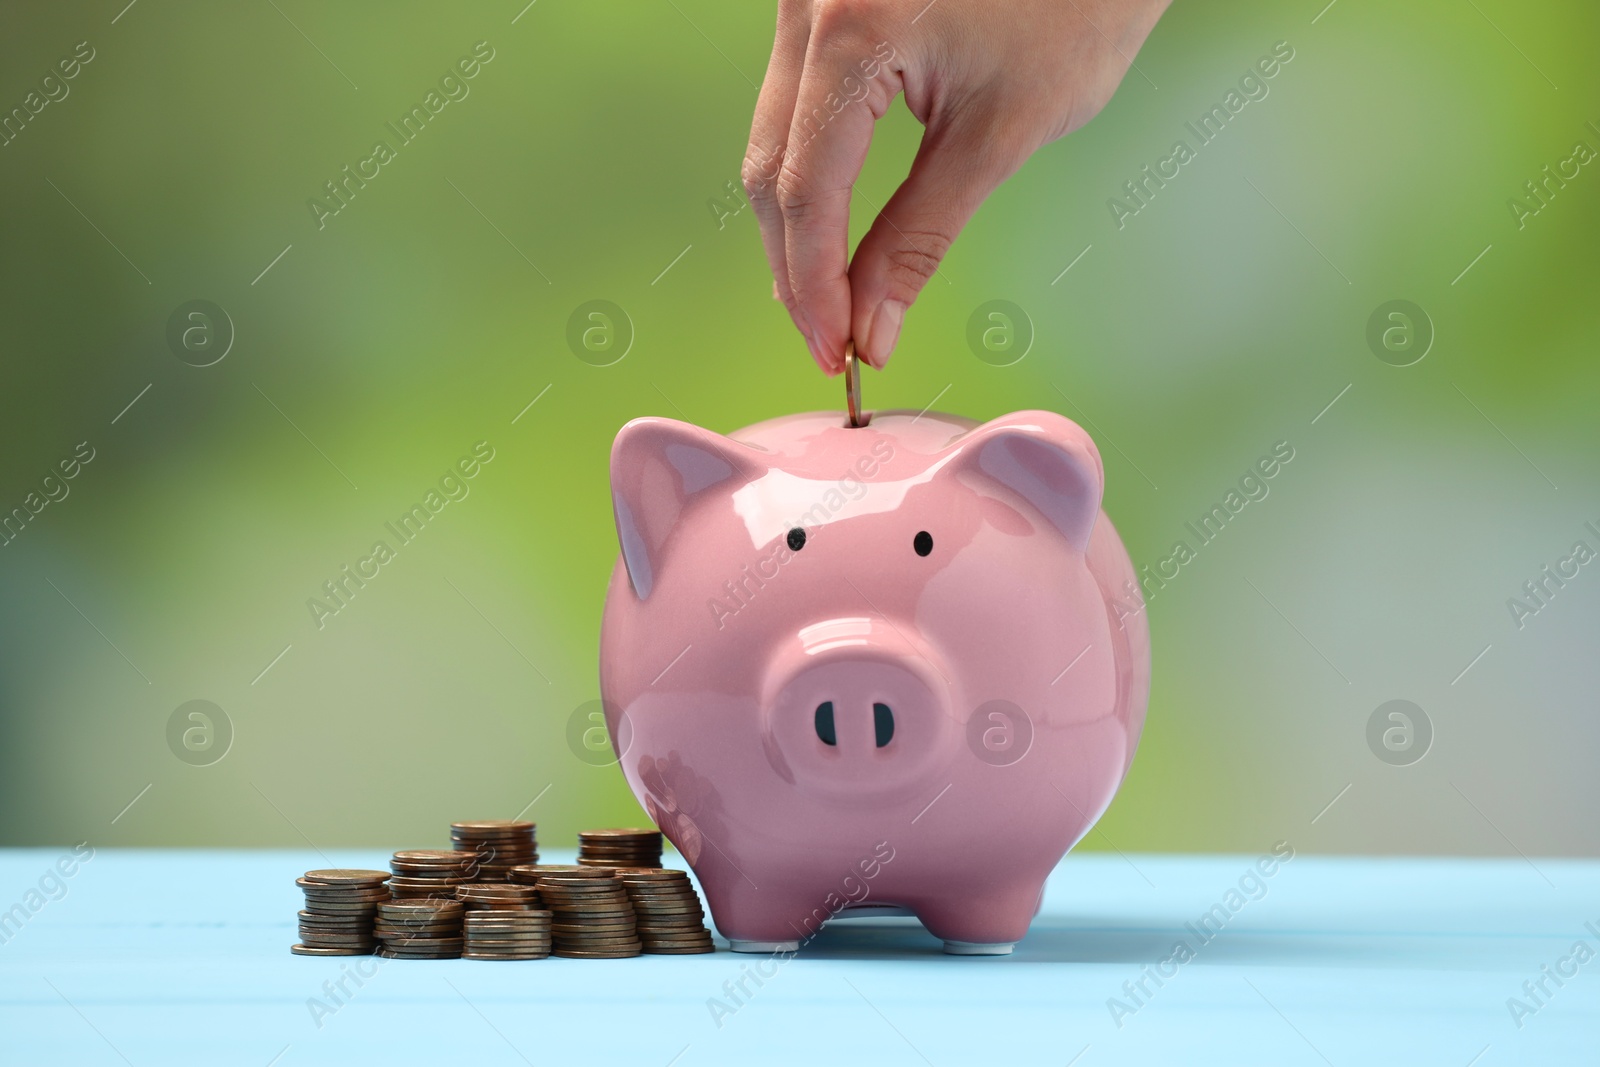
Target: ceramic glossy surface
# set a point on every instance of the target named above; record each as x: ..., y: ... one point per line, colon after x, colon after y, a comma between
x: 905, y: 663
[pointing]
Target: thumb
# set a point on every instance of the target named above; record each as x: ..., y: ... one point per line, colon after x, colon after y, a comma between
x: 955, y: 170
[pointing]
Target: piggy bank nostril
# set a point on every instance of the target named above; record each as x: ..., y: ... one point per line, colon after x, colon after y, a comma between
x: 882, y: 724
x: 824, y: 720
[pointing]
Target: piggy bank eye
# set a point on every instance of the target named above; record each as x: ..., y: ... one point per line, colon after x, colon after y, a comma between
x: 923, y: 542
x: 797, y: 539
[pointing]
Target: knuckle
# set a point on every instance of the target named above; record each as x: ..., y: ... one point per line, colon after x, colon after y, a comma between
x: 835, y: 17
x: 759, y: 172
x: 794, y: 196
x: 913, y: 260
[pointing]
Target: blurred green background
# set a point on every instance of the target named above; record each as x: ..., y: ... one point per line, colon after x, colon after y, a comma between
x: 432, y: 309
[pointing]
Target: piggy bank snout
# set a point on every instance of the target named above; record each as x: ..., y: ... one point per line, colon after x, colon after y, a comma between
x: 857, y: 713
x: 853, y: 702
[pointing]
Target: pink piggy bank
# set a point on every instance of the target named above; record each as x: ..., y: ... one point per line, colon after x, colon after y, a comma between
x: 901, y: 666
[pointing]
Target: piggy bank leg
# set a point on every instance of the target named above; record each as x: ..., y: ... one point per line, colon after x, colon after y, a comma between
x: 987, y: 925
x: 767, y: 920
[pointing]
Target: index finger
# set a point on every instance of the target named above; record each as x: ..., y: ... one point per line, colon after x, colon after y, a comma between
x: 769, y: 131
x: 838, y: 103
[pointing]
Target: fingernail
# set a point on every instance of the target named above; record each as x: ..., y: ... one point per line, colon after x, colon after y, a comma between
x: 816, y: 353
x: 885, y: 331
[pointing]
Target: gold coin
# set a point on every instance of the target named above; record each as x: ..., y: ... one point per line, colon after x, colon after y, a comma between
x: 504, y: 891
x: 328, y: 950
x: 412, y: 908
x: 596, y: 888
x: 426, y: 944
x: 652, y: 874
x: 314, y: 937
x: 550, y: 887
x: 338, y: 892
x: 663, y: 899
x: 701, y: 934
x: 336, y: 918
x: 620, y: 938
x: 641, y: 853
x: 579, y: 875
x: 852, y: 384
x: 346, y: 876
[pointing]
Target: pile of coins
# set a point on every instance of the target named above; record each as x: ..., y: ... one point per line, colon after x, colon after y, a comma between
x: 506, y: 934
x: 619, y: 848
x: 489, y: 898
x: 669, y: 917
x: 592, y: 917
x: 423, y: 928
x: 498, y: 844
x: 338, y: 916
x: 420, y: 873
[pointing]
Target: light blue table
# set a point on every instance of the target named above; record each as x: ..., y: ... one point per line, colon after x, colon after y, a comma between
x: 182, y: 957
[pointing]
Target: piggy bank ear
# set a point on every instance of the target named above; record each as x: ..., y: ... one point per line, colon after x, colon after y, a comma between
x: 1046, y: 459
x: 659, y: 468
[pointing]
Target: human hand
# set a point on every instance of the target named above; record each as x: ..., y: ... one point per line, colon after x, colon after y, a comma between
x: 991, y: 81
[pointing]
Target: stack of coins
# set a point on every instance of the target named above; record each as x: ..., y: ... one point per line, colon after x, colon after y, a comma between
x: 670, y: 919
x: 340, y: 905
x: 429, y: 873
x: 426, y: 928
x: 506, y: 934
x: 591, y: 915
x: 498, y: 897
x: 499, y: 844
x: 619, y: 848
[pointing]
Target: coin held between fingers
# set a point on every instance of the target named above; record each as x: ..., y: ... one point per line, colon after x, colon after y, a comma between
x: 852, y: 385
